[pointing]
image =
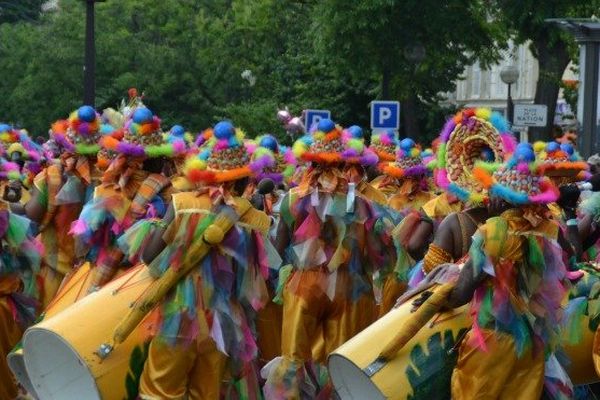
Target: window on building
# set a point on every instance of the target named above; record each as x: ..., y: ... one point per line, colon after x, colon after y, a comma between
x: 476, y: 81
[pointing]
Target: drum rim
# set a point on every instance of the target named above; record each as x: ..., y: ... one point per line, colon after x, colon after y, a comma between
x: 333, y: 356
x: 81, y: 361
x: 16, y: 362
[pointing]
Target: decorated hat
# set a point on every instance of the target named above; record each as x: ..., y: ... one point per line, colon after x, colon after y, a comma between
x: 384, y: 144
x: 472, y: 135
x: 408, y: 164
x: 9, y: 171
x: 562, y: 163
x: 143, y: 137
x: 284, y: 162
x: 329, y: 144
x: 519, y: 181
x: 224, y: 158
x: 80, y: 133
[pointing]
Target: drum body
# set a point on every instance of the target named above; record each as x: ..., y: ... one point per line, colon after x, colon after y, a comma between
x: 61, y: 351
x: 423, y: 368
x: 74, y: 287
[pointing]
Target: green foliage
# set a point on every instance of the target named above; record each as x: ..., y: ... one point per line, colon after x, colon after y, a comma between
x: 12, y: 11
x: 188, y: 58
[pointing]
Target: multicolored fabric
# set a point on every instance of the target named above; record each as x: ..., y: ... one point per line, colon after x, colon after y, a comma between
x: 227, y: 282
x: 526, y: 281
x: 113, y: 210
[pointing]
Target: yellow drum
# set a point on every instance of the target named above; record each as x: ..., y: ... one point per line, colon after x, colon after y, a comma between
x: 74, y: 287
x: 61, y: 351
x: 423, y: 367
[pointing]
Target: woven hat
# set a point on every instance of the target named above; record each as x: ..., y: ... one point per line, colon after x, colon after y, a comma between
x: 520, y: 181
x: 408, y: 164
x: 562, y: 163
x: 329, y: 144
x: 472, y: 135
x: 143, y: 137
x: 384, y: 144
x: 284, y: 162
x: 224, y: 158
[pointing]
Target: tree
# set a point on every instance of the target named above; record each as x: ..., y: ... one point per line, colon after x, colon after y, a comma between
x: 415, y: 50
x: 552, y: 47
x: 12, y: 11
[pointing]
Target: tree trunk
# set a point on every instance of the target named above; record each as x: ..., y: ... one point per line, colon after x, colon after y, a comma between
x: 552, y: 60
x: 410, y: 122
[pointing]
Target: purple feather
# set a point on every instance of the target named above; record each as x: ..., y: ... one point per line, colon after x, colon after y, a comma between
x: 131, y: 149
x: 448, y: 128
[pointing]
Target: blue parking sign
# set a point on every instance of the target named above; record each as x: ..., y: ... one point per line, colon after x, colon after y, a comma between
x: 312, y: 117
x: 385, y: 114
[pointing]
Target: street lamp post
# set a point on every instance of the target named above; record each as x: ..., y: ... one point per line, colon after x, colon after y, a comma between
x: 89, y: 67
x: 509, y: 75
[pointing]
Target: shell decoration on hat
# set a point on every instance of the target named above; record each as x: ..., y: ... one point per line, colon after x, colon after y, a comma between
x: 519, y: 181
x: 472, y: 135
x: 408, y: 164
x: 284, y: 162
x: 384, y: 144
x: 143, y: 137
x: 224, y: 158
x: 562, y: 163
x: 80, y: 133
x: 329, y: 144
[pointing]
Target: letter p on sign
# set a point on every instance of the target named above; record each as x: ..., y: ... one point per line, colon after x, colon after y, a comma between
x: 385, y: 115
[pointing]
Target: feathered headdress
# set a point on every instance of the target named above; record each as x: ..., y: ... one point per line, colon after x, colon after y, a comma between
x: 329, y: 144
x: 143, y: 137
x: 408, y: 162
x: 519, y: 181
x: 472, y: 135
x: 224, y: 158
x: 80, y: 133
x: 562, y: 163
x: 384, y: 144
x: 284, y: 162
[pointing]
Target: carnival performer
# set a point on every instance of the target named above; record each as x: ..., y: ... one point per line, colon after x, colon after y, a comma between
x: 408, y: 175
x: 203, y: 329
x: 516, y: 281
x: 133, y: 188
x: 335, y: 240
x: 269, y: 318
x: 20, y: 257
x: 59, y: 193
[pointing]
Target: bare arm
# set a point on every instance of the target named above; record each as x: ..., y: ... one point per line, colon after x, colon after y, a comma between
x: 157, y: 243
x: 467, y: 282
x: 418, y: 242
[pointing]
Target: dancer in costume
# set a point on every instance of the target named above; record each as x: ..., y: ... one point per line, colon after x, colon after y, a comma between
x: 59, y: 193
x: 20, y: 256
x: 269, y: 318
x: 335, y: 240
x: 516, y: 281
x: 133, y: 188
x: 203, y: 328
x: 408, y: 175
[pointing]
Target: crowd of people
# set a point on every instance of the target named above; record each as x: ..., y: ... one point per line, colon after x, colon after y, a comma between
x: 272, y: 257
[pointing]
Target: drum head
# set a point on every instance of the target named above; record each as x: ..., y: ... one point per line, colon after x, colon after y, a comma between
x: 16, y: 363
x: 55, y: 368
x: 351, y: 382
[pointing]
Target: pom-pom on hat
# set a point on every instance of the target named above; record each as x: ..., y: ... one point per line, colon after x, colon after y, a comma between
x: 384, y: 144
x: 9, y: 171
x: 282, y: 164
x: 472, y: 135
x: 329, y: 144
x: 224, y: 158
x: 8, y: 134
x: 519, y: 181
x: 408, y: 162
x: 562, y: 163
x: 143, y: 137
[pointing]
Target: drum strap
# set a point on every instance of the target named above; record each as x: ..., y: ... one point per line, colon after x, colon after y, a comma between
x: 151, y: 187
